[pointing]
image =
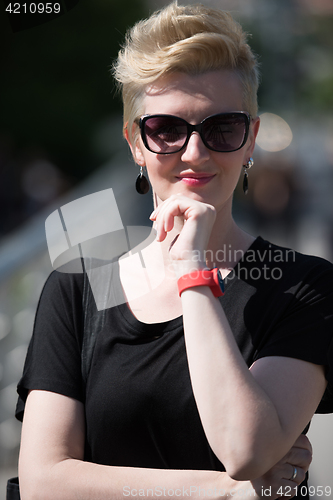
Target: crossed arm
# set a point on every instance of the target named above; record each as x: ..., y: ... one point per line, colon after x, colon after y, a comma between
x: 52, y: 450
x: 264, y: 409
x: 51, y: 463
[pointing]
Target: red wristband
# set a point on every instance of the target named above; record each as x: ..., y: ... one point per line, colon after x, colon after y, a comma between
x: 203, y: 277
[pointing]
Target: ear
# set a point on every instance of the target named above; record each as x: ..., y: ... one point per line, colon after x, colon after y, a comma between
x: 254, y: 129
x: 136, y: 147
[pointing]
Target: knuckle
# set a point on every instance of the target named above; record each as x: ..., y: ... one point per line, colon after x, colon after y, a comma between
x: 210, y: 208
x: 299, y: 456
x: 304, y: 442
x: 308, y: 456
x: 300, y: 476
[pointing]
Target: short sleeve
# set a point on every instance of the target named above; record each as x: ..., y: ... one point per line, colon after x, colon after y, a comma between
x: 53, y: 361
x: 305, y: 329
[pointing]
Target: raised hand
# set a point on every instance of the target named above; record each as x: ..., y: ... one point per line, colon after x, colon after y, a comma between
x: 194, y: 236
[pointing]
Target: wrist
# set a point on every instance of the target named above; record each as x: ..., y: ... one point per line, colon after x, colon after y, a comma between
x: 210, y: 278
x: 227, y: 488
x: 183, y: 267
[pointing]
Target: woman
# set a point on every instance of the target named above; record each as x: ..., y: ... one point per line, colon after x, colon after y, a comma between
x: 184, y: 379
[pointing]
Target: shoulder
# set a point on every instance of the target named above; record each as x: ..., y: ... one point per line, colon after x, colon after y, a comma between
x: 60, y: 304
x: 286, y: 293
x: 53, y: 361
x: 293, y: 264
x: 63, y: 286
x: 66, y: 282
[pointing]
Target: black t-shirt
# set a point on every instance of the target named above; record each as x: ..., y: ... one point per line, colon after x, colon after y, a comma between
x: 140, y: 408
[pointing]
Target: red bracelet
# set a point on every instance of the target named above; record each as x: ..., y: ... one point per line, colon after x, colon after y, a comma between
x: 203, y: 277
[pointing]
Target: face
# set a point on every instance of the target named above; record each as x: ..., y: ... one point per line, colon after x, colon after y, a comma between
x: 195, y: 171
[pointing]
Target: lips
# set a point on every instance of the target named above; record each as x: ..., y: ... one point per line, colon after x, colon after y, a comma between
x: 196, y: 179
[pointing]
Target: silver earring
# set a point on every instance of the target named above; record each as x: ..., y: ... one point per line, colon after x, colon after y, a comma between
x: 246, y: 167
x: 141, y: 183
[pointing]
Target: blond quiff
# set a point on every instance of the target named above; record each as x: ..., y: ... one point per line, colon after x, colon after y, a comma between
x: 189, y: 39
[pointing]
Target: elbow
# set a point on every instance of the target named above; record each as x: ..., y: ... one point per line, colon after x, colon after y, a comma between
x: 29, y: 493
x: 245, y: 470
x: 54, y: 481
x: 32, y: 487
x: 41, y: 482
x: 248, y: 464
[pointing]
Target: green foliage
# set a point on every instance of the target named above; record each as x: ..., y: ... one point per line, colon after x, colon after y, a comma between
x: 55, y: 84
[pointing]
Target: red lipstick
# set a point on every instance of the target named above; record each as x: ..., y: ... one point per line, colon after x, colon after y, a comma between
x: 196, y: 179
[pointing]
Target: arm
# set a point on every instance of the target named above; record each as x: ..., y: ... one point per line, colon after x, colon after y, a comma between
x: 51, y: 458
x: 262, y: 414
x: 51, y: 463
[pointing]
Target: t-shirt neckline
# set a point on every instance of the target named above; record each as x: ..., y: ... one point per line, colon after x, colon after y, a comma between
x: 174, y: 323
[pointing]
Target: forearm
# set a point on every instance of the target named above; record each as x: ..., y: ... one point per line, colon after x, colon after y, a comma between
x: 52, y: 466
x: 75, y: 479
x: 240, y: 421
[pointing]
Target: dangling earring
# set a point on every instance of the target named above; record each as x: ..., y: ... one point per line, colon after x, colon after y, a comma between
x: 248, y: 165
x: 141, y: 183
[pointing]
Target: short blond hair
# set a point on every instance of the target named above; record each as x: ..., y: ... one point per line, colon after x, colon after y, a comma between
x: 190, y: 39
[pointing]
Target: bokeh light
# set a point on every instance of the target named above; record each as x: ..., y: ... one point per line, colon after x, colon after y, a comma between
x: 274, y: 133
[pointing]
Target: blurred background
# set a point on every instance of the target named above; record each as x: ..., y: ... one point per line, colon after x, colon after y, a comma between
x: 60, y: 138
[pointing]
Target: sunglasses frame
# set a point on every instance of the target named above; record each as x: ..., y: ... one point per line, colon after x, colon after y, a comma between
x: 195, y: 128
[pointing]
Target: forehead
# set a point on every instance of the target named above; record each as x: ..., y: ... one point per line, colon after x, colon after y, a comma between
x: 187, y: 95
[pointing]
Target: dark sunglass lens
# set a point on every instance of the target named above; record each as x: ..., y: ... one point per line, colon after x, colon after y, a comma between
x: 225, y: 133
x: 165, y: 134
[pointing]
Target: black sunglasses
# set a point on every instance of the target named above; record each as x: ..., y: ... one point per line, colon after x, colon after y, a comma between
x: 167, y: 134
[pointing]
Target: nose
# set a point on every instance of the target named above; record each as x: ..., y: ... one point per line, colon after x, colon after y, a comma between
x: 195, y: 151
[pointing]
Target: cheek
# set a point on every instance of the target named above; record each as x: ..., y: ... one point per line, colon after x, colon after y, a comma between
x: 160, y: 165
x: 231, y: 163
x: 230, y: 171
x: 161, y: 173
x: 157, y: 172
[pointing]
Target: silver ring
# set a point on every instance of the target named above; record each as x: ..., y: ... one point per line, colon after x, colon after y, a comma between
x: 293, y: 477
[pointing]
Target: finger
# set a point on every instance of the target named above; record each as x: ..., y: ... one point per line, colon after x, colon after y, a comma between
x: 152, y: 215
x: 164, y: 221
x: 299, y: 457
x: 166, y: 214
x: 303, y: 442
x: 156, y: 211
x: 160, y: 232
x: 169, y: 221
x: 296, y: 475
